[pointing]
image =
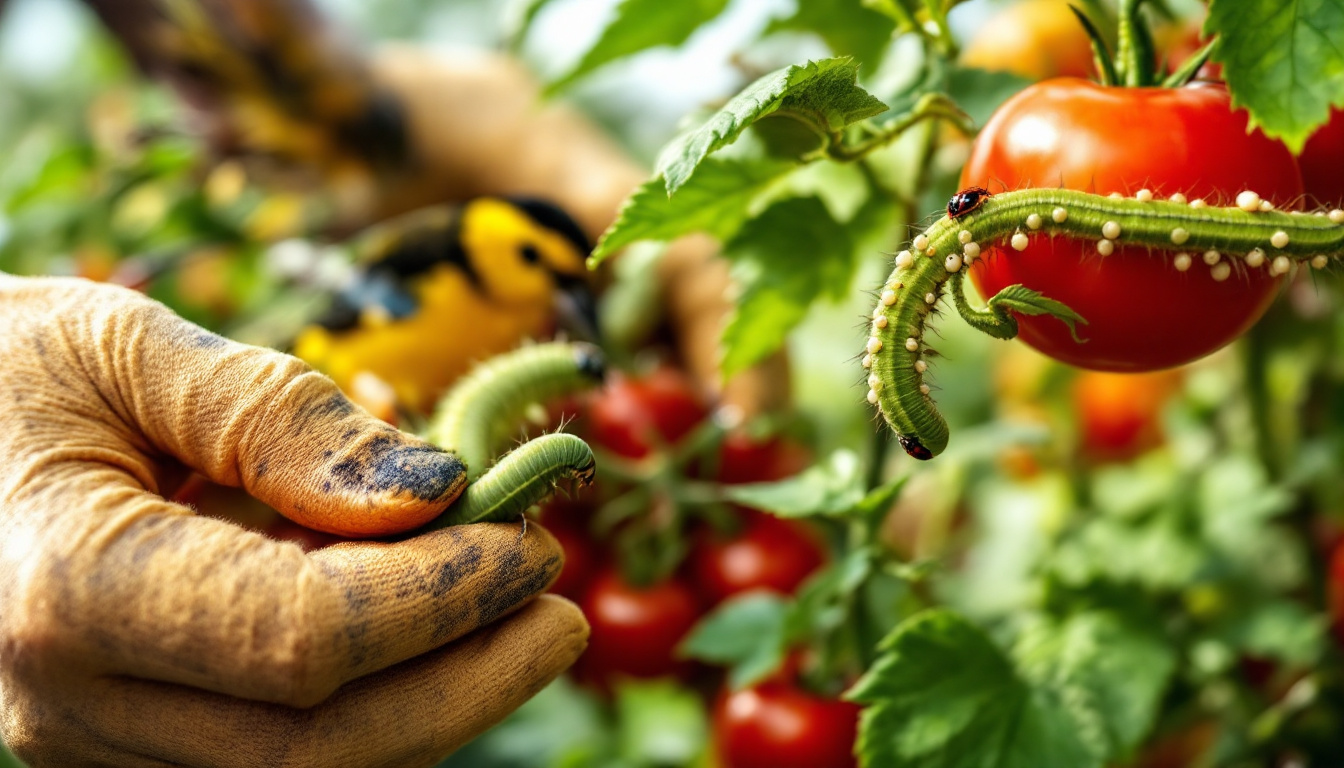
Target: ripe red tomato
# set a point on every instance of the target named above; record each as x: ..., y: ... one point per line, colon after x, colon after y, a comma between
x: 631, y: 416
x: 1142, y: 314
x: 1322, y: 162
x: 635, y: 631
x: 778, y: 725
x: 1120, y: 414
x: 768, y: 553
x: 1036, y: 39
x: 745, y: 460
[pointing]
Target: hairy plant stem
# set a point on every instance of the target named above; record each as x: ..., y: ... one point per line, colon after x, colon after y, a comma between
x: 931, y: 106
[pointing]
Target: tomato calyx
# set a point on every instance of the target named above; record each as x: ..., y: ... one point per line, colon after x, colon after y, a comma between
x: 1134, y: 63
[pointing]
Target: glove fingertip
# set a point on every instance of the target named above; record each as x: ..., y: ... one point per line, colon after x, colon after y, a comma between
x: 387, y: 484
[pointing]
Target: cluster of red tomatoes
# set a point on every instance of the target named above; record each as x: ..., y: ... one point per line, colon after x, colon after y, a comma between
x: 637, y: 628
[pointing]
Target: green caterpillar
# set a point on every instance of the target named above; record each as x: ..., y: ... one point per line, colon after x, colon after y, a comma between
x: 524, y: 477
x: 895, y: 354
x: 479, y: 415
x: 482, y: 411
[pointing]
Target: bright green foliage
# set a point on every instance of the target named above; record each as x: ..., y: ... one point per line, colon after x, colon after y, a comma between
x: 782, y: 261
x: 942, y: 695
x: 715, y: 201
x: 649, y: 723
x: 640, y: 25
x: 660, y: 723
x: 1283, y: 61
x: 745, y: 634
x: 820, y: 93
x: 849, y: 27
x: 1109, y: 674
x: 831, y: 487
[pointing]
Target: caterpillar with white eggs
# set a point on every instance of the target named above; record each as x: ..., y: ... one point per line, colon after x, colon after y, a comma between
x: 895, y: 355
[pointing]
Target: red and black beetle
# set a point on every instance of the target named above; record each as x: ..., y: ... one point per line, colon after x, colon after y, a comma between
x: 965, y: 201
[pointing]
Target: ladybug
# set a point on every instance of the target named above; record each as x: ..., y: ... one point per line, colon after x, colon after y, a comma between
x: 915, y: 448
x: 965, y: 201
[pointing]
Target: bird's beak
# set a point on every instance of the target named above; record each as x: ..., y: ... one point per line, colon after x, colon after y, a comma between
x: 576, y: 308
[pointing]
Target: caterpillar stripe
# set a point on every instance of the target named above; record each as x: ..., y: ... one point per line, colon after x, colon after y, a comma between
x: 895, y: 354
x: 482, y: 412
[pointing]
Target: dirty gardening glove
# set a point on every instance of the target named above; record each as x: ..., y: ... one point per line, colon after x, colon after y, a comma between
x: 134, y: 632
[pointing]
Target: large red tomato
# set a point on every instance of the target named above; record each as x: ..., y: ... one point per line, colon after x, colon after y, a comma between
x: 1142, y: 313
x: 635, y: 632
x: 1322, y: 162
x: 777, y: 725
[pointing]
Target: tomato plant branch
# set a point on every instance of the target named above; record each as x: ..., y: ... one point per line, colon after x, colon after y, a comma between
x: 931, y: 106
x: 947, y: 44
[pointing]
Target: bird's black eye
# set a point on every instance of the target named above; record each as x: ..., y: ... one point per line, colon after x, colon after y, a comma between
x: 530, y: 254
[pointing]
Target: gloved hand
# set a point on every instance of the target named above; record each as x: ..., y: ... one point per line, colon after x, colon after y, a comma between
x: 134, y: 632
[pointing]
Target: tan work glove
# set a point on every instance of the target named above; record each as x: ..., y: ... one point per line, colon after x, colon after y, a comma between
x: 134, y: 632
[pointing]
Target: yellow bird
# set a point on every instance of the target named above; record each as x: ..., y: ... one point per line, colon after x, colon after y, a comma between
x: 439, y: 289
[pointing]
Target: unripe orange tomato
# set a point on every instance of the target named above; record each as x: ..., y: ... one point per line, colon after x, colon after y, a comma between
x: 1036, y: 39
x: 1120, y: 414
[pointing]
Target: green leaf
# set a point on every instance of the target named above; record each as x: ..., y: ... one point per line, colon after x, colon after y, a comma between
x: 822, y: 604
x: 832, y: 487
x: 660, y: 723
x: 942, y: 695
x: 896, y: 11
x: 1112, y: 674
x: 640, y: 25
x: 848, y: 27
x: 782, y: 261
x: 1025, y: 301
x: 716, y: 201
x: 1278, y: 629
x: 879, y: 500
x: 1159, y: 554
x: 1283, y: 61
x: 746, y: 634
x: 822, y: 93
